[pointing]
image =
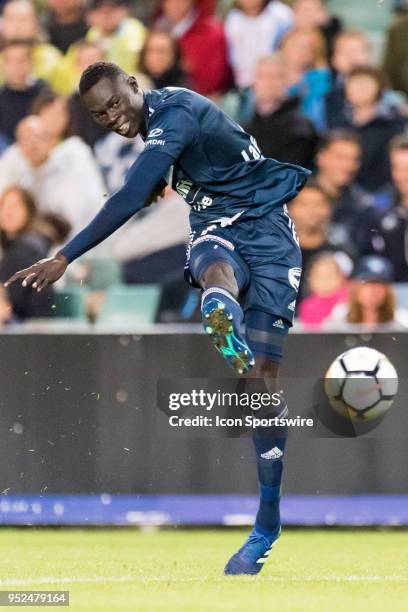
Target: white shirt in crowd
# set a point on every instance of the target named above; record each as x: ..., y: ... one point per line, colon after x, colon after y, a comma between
x: 69, y: 183
x: 250, y: 38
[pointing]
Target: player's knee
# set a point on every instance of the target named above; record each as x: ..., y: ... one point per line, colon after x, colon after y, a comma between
x: 220, y: 274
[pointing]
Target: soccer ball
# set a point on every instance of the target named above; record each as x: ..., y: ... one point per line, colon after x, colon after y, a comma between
x: 361, y: 384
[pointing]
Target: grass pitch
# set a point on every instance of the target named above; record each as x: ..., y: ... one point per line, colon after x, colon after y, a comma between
x: 181, y: 570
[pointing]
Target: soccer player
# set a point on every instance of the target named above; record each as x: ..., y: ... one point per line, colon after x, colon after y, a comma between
x: 243, y: 252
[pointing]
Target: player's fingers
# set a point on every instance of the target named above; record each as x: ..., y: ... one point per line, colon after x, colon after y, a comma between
x: 29, y: 278
x: 16, y: 276
x: 41, y: 276
x: 42, y: 284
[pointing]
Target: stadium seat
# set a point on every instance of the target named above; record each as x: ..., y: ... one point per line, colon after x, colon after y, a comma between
x: 126, y: 304
x: 401, y: 295
x: 103, y: 273
x: 70, y: 304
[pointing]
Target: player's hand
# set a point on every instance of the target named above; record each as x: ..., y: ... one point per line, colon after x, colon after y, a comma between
x: 41, y: 274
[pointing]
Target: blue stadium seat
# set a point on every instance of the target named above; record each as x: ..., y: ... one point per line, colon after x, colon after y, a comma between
x: 70, y: 304
x: 130, y: 304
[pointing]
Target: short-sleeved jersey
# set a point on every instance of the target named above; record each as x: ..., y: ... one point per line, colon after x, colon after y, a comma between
x: 218, y: 168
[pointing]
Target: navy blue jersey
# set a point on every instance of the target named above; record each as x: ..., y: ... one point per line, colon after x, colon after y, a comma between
x: 208, y: 158
x: 218, y: 168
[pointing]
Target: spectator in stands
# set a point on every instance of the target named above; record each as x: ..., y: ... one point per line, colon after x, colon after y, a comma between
x: 121, y: 37
x: 308, y: 75
x: 312, y: 213
x: 81, y: 123
x: 327, y: 288
x: 160, y: 60
x: 20, y: 87
x: 374, y: 124
x: 20, y: 22
x: 202, y: 42
x: 53, y: 110
x: 65, y: 22
x: 64, y: 178
x: 371, y: 299
x: 315, y: 14
x: 21, y: 245
x: 338, y: 161
x: 352, y: 49
x: 277, y: 123
x: 388, y: 236
x: 396, y: 55
x: 6, y: 310
x: 149, y: 254
x: 253, y: 29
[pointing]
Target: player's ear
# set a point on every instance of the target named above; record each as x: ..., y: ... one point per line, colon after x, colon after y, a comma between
x: 133, y: 83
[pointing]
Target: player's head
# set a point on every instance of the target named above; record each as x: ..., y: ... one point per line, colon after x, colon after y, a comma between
x: 338, y: 158
x: 113, y: 98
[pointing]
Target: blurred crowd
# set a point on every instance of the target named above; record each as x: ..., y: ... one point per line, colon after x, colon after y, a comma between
x: 309, y: 89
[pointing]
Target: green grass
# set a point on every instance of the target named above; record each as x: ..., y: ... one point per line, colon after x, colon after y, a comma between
x: 181, y: 570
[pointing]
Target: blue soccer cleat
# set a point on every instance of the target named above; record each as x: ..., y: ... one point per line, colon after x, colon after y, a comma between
x: 220, y: 326
x: 251, y: 556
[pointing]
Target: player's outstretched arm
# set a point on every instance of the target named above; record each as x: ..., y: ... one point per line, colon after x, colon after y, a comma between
x: 143, y: 177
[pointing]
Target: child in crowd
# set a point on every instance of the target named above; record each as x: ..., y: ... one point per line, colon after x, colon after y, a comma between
x: 328, y: 288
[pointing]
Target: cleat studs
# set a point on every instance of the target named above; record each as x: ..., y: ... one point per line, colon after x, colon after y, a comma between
x: 209, y: 329
x: 207, y: 315
x: 229, y: 317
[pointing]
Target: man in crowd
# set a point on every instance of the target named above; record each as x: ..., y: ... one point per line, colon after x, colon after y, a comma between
x: 202, y: 43
x: 20, y: 22
x: 65, y: 22
x: 277, y: 123
x: 352, y: 49
x: 120, y: 36
x: 64, y: 180
x: 20, y: 88
x: 389, y: 234
x: 338, y: 161
x: 312, y: 212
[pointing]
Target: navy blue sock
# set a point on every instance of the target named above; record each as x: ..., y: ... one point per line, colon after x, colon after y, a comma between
x: 269, y: 445
x: 226, y: 298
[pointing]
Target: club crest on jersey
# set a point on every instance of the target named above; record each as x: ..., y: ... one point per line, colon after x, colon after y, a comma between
x: 155, y: 133
x: 294, y: 275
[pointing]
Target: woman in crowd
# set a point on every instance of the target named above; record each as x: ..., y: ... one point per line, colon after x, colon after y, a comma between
x: 371, y: 300
x: 160, y: 61
x: 25, y: 238
x: 305, y: 55
x: 253, y: 29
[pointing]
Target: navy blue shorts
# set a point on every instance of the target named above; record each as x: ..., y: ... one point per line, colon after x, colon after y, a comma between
x: 264, y: 254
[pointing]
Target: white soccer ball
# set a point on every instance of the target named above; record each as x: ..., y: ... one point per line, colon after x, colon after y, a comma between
x: 361, y: 384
